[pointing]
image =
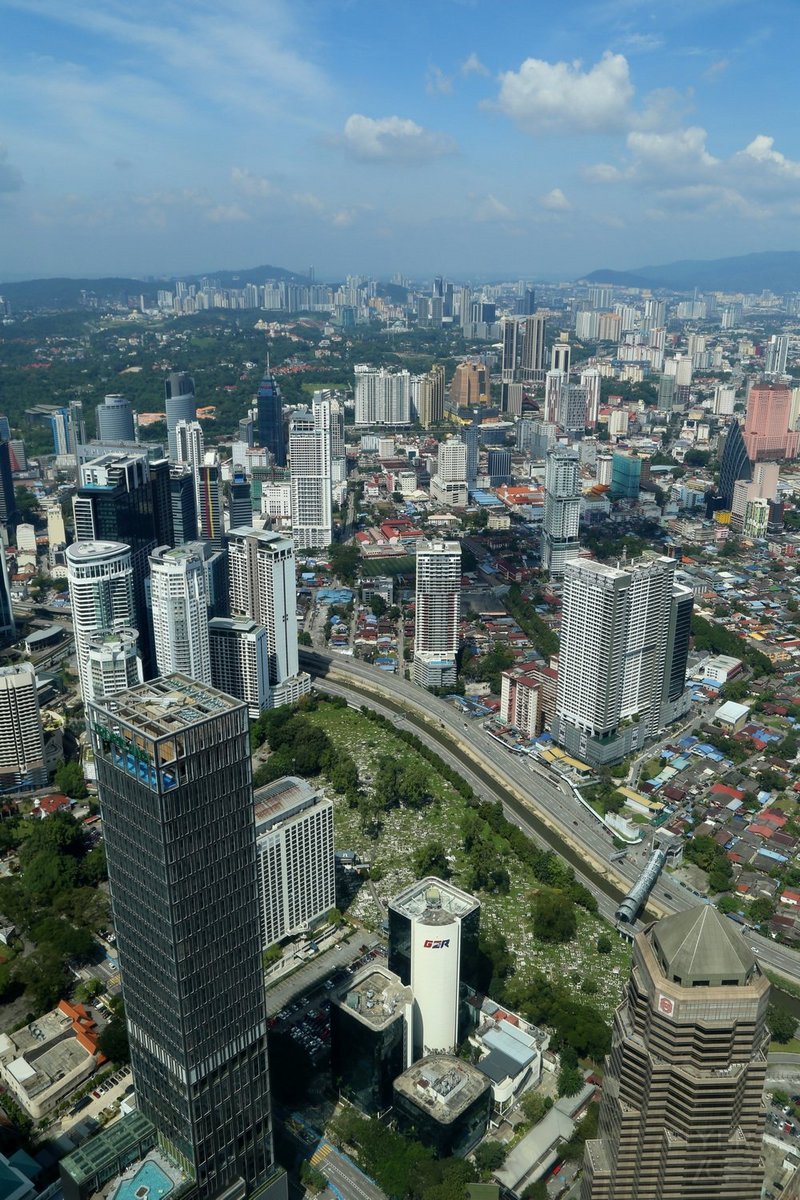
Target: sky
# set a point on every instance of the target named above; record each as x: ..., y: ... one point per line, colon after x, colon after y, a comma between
x: 473, y: 138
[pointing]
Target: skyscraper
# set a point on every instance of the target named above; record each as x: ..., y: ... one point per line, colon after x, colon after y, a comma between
x: 115, y: 420
x: 190, y: 451
x: 682, y: 1113
x: 240, y: 661
x: 555, y: 382
x: 269, y: 405
x: 734, y: 463
x: 114, y: 663
x: 438, y: 612
x: 591, y: 381
x: 183, y: 497
x: 622, y: 662
x: 561, y: 355
x: 767, y: 431
x: 22, y: 763
x: 430, y: 396
x: 179, y: 604
x: 562, y: 510
x: 470, y: 386
x: 310, y: 462
x: 533, y: 348
x: 174, y: 779
x: 240, y: 502
x: 262, y: 587
x: 210, y: 501
x: 8, y: 627
x: 383, y: 397
x: 777, y: 353
x: 8, y: 500
x: 181, y: 405
x: 511, y: 333
x: 100, y: 579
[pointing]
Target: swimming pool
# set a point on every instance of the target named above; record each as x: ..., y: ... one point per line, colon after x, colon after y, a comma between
x: 149, y: 1183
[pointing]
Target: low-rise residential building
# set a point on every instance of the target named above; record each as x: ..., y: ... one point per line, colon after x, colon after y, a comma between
x: 46, y: 1060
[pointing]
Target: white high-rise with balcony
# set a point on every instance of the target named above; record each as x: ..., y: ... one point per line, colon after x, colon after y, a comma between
x: 100, y: 579
x: 562, y: 510
x: 22, y: 763
x: 438, y: 612
x: 382, y: 397
x: 310, y: 461
x: 180, y: 612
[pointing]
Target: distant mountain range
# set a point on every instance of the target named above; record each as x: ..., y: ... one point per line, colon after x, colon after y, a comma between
x: 67, y: 293
x: 772, y: 270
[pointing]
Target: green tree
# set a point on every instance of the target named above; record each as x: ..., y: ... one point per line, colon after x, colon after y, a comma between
x: 69, y: 780
x: 782, y: 1024
x: 554, y: 918
x: 490, y: 1156
x: 535, y: 1106
x: 570, y: 1081
x: 113, y: 1040
x: 604, y: 944
x: 44, y: 975
x: 431, y: 859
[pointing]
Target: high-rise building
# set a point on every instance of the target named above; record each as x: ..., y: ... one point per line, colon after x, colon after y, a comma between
x: 310, y: 460
x: 767, y: 430
x: 175, y: 787
x: 666, y: 392
x: 210, y: 501
x: 179, y: 603
x: 22, y: 761
x: 562, y: 510
x: 181, y: 405
x: 498, y: 466
x: 622, y: 661
x: 682, y: 1113
x: 183, y: 498
x: 734, y: 462
x: 262, y: 587
x: 101, y: 594
x: 572, y: 407
x: 438, y: 612
x: 240, y: 501
x: 115, y: 419
x: 555, y: 382
x: 561, y: 356
x: 383, y: 397
x: 591, y: 381
x: 777, y: 353
x: 626, y: 475
x: 533, y: 350
x: 295, y: 851
x: 470, y: 386
x: 430, y: 396
x: 269, y: 410
x: 190, y: 451
x: 8, y: 628
x: 433, y: 944
x: 240, y: 661
x: 511, y: 335
x: 8, y: 500
x: 114, y: 663
x: 536, y: 437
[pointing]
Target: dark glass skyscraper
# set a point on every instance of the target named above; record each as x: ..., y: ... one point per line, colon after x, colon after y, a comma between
x: 271, y: 432
x: 173, y: 768
x: 8, y: 501
x: 734, y: 464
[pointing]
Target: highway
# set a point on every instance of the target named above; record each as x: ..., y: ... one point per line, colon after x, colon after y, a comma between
x: 536, y: 799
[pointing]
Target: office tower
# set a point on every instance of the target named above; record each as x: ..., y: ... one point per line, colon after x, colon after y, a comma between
x: 295, y: 853
x: 682, y: 1113
x: 449, y: 484
x: 247, y: 431
x: 536, y: 437
x: 8, y: 501
x: 181, y: 405
x: 430, y: 403
x: 114, y: 662
x: 511, y: 397
x: 101, y: 594
x: 555, y: 382
x: 179, y: 604
x: 22, y: 763
x: 5, y: 428
x: 777, y: 353
x: 464, y: 301
x: 624, y: 643
x: 433, y: 944
x: 262, y: 588
x: 59, y: 426
x: 472, y: 441
x: 125, y: 498
x: 560, y: 358
x: 76, y: 425
x: 240, y: 661
x: 210, y: 501
x: 183, y: 499
x: 498, y: 465
x: 767, y: 431
x: 470, y: 386
x: 115, y: 420
x: 734, y: 462
x: 16, y: 454
x: 572, y: 407
x: 525, y: 304
x: 438, y: 612
x: 310, y: 463
x: 8, y: 628
x: 383, y: 397
x: 269, y: 411
x: 175, y: 787
x: 591, y: 381
x: 626, y: 475
x: 368, y: 1036
x: 533, y: 350
x: 190, y: 449
x: 562, y: 511
x: 666, y: 392
x: 240, y: 503
x: 724, y: 399
x: 511, y: 336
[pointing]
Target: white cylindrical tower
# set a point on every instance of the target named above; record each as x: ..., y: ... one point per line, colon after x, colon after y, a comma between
x: 180, y: 612
x: 114, y: 662
x: 100, y: 578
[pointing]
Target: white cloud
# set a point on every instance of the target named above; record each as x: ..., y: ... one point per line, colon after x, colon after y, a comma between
x: 642, y: 43
x: 543, y: 97
x: 555, y: 201
x: 677, y: 152
x: 437, y: 82
x: 761, y: 150
x: 248, y: 184
x: 473, y: 66
x: 224, y: 213
x: 393, y: 139
x: 717, y: 68
x: 603, y: 173
x: 492, y: 209
x: 10, y: 177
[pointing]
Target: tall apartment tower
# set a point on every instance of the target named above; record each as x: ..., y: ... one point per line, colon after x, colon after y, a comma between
x: 562, y: 511
x: 777, y: 353
x: 179, y: 604
x: 767, y: 429
x: 682, y: 1113
x: 190, y: 451
x: 511, y: 334
x: 115, y: 420
x: 240, y: 661
x: 175, y: 786
x: 591, y: 380
x: 561, y: 355
x: 533, y: 348
x: 209, y: 508
x: 22, y: 763
x: 114, y: 662
x: 262, y: 588
x: 310, y: 462
x: 622, y: 662
x: 181, y: 405
x: 100, y: 579
x: 382, y: 397
x: 430, y: 402
x: 438, y: 612
x: 269, y: 408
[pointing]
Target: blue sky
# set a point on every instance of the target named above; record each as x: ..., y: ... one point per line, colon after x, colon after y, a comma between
x: 468, y: 137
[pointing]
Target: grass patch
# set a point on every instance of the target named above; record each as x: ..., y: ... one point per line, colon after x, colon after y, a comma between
x: 405, y: 830
x: 792, y: 1047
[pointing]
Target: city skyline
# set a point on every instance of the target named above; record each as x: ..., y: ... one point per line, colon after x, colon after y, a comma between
x: 532, y: 144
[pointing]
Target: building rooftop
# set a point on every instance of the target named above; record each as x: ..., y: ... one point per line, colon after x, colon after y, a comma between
x: 87, y: 550
x: 375, y: 996
x: 108, y: 1147
x: 433, y: 902
x: 442, y: 1085
x: 702, y: 946
x: 282, y: 799
x: 164, y: 707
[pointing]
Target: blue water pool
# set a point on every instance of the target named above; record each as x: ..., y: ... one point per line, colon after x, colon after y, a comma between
x: 149, y: 1183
